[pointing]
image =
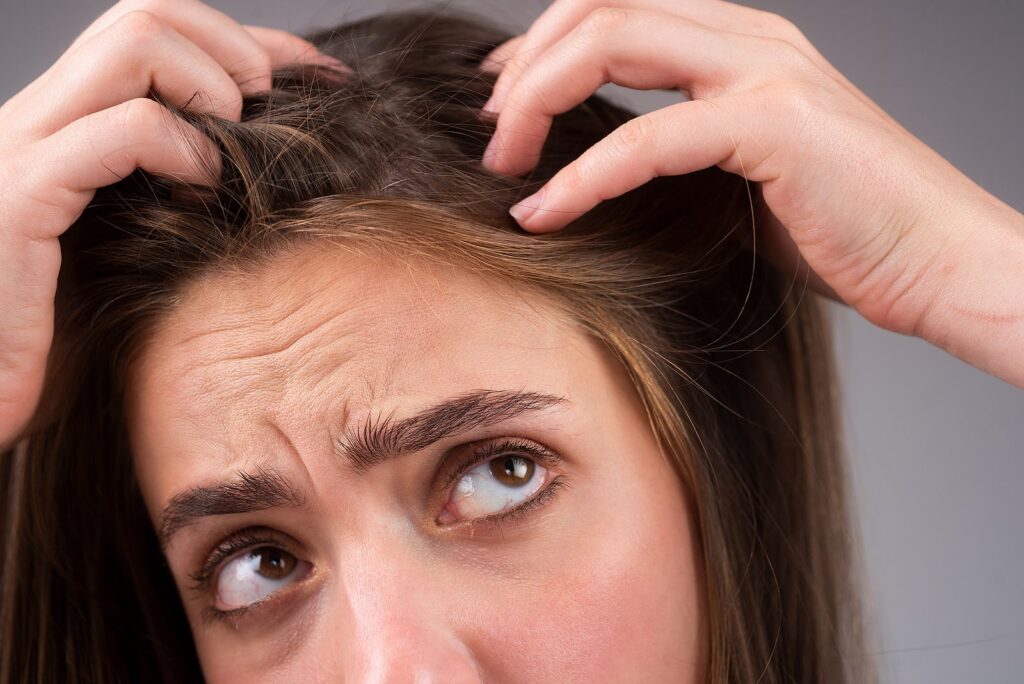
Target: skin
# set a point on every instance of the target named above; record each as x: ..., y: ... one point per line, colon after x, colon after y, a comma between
x: 269, y: 369
x: 844, y: 193
x: 876, y: 216
x: 878, y: 219
x: 86, y: 123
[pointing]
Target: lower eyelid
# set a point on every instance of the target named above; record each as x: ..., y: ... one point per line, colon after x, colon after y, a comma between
x: 453, y: 498
x: 540, y: 500
x: 281, y: 598
x: 276, y: 600
x: 244, y: 540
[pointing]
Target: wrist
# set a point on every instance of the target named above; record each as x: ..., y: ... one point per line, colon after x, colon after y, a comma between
x: 978, y: 312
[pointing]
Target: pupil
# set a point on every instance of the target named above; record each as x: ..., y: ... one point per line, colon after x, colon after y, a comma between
x: 275, y: 563
x: 512, y: 470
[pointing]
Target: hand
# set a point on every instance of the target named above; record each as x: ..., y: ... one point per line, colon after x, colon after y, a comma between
x: 884, y: 222
x: 86, y: 123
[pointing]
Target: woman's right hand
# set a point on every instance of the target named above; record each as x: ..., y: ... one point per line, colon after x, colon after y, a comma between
x: 87, y: 122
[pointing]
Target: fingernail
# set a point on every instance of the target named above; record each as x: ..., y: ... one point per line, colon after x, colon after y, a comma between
x: 493, y: 104
x: 328, y: 60
x: 490, y: 66
x: 525, y: 208
x: 488, y: 115
x: 491, y: 152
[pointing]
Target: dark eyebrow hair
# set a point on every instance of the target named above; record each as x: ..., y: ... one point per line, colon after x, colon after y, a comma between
x: 374, y: 442
x: 378, y: 440
x: 256, y: 491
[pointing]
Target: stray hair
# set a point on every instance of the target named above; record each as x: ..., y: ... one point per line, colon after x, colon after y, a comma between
x: 730, y: 357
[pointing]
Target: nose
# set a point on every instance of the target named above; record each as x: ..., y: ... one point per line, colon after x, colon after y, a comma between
x: 391, y: 621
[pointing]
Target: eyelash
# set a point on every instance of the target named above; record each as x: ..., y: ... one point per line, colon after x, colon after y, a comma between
x: 509, y: 446
x: 240, y: 540
x: 254, y: 537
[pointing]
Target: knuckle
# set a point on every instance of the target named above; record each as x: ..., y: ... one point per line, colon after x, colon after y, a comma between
x: 792, y: 32
x: 580, y: 8
x: 604, y: 21
x: 782, y: 28
x: 779, y: 23
x: 798, y: 100
x: 566, y: 8
x: 633, y: 134
x: 140, y: 26
x: 262, y: 62
x: 573, y: 179
x: 787, y: 55
x: 152, y: 6
x: 141, y: 115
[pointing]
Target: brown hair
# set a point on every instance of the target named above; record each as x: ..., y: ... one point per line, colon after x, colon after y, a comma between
x: 730, y: 357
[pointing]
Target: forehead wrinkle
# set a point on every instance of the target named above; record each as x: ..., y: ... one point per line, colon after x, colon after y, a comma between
x: 256, y: 309
x: 423, y: 309
x: 236, y: 334
x: 277, y: 317
x: 217, y: 373
x: 244, y: 316
x: 289, y: 341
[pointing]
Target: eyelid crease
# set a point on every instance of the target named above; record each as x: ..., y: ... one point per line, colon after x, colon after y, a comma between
x: 497, y: 447
x: 266, y: 488
x: 253, y: 537
x: 246, y: 538
x: 212, y: 614
x: 380, y: 438
x: 260, y: 489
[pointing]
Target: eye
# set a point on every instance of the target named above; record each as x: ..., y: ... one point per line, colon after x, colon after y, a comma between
x: 493, y: 486
x: 256, y: 574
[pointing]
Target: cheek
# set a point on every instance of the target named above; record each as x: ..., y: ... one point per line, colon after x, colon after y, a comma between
x: 623, y: 598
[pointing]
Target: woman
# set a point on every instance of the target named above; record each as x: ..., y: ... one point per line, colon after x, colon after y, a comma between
x: 336, y: 417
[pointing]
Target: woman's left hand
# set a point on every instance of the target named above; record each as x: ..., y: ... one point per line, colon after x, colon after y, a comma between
x: 884, y: 222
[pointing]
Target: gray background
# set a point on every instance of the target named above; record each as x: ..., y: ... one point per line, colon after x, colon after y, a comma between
x: 937, y: 447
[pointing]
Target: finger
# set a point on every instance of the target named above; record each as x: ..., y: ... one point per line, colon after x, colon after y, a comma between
x: 220, y: 36
x: 287, y: 48
x: 136, y: 53
x: 675, y: 140
x: 631, y: 48
x: 563, y: 15
x: 59, y: 174
x: 495, y: 61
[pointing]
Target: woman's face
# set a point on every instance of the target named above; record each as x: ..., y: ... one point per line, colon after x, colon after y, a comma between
x: 367, y: 469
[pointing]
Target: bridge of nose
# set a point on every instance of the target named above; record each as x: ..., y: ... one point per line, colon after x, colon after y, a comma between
x: 387, y: 619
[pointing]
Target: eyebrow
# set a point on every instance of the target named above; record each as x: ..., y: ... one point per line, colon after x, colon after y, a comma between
x: 256, y: 491
x: 378, y: 440
x: 375, y: 441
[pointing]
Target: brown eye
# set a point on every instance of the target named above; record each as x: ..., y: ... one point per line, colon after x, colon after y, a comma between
x: 256, y: 574
x: 503, y: 479
x: 514, y: 471
x: 274, y: 563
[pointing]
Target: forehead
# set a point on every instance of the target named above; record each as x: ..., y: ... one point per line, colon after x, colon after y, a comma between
x: 325, y: 334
